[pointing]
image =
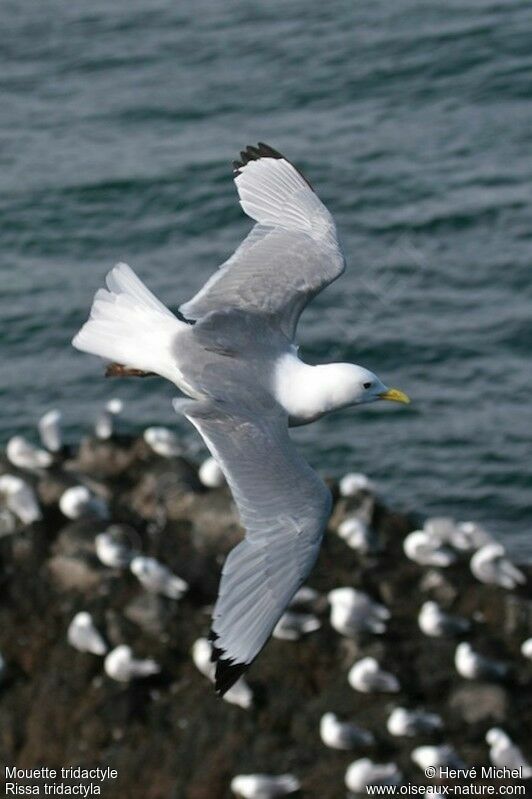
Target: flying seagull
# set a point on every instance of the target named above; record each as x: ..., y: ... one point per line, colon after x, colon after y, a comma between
x: 231, y: 350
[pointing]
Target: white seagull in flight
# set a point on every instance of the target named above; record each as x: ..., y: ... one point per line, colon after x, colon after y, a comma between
x: 231, y: 351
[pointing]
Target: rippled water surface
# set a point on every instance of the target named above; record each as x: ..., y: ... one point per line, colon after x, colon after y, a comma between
x: 412, y: 119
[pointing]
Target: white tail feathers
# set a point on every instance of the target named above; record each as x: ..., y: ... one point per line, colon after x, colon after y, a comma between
x: 129, y: 325
x: 275, y: 194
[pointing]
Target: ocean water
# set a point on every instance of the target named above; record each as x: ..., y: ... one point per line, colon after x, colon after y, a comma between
x: 413, y: 120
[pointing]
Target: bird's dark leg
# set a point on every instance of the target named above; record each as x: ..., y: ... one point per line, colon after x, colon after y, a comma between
x: 117, y: 370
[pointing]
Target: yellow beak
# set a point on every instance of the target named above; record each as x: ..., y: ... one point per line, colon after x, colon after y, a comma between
x: 395, y: 395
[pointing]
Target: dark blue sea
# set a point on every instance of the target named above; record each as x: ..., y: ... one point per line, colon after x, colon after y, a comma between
x: 413, y: 120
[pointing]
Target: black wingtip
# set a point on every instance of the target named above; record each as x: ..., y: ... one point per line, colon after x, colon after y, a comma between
x: 227, y: 670
x: 252, y: 153
x: 262, y: 150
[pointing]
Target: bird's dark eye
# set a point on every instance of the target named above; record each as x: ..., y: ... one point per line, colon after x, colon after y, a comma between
x: 367, y: 385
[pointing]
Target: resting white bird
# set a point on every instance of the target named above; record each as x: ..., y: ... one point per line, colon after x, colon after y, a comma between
x: 433, y: 621
x: 25, y: 455
x: 526, y: 648
x: 367, y: 677
x: 490, y: 565
x: 505, y: 754
x: 163, y: 441
x: 113, y: 549
x: 474, y: 666
x: 353, y: 483
x: 79, y: 501
x: 104, y: 424
x: 157, y: 578
x: 353, y: 612
x: 121, y: 665
x: 231, y: 349
x: 294, y: 625
x: 343, y: 734
x: 364, y: 772
x: 20, y: 498
x: 357, y: 534
x: 49, y: 427
x: 83, y: 635
x: 436, y: 757
x: 427, y: 550
x: 264, y: 786
x: 403, y: 722
x: 210, y: 474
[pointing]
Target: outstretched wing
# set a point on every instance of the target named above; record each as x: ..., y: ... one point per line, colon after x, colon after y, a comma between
x: 284, y: 507
x: 290, y: 255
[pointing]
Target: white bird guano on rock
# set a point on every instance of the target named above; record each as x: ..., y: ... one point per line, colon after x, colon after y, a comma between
x: 25, y: 455
x: 157, y: 578
x: 505, y: 754
x: 83, y: 635
x: 211, y: 474
x: 490, y: 565
x: 20, y: 498
x: 343, y: 735
x: 163, y: 442
x: 121, y: 665
x: 231, y: 350
x: 367, y: 677
x: 354, y: 612
x: 434, y: 622
x: 364, y: 772
x: 264, y: 786
x: 49, y: 427
x: 409, y: 723
x: 474, y: 666
x: 239, y: 694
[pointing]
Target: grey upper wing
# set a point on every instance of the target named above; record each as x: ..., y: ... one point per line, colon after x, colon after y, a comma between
x: 287, y: 258
x: 284, y: 507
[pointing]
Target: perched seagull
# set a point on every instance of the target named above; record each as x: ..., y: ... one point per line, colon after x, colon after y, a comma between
x: 264, y: 786
x: 408, y: 723
x: 79, y: 501
x: 357, y: 534
x: 231, y: 349
x: 353, y: 483
x: 20, y: 498
x: 474, y: 666
x: 304, y: 596
x: 435, y: 622
x: 353, y: 612
x: 436, y: 757
x: 49, y: 427
x: 83, y: 635
x: 490, y: 565
x: 211, y: 474
x: 505, y: 754
x: 473, y: 535
x: 239, y: 694
x: 343, y: 734
x: 112, y: 549
x: 157, y: 578
x: 368, y: 677
x: 122, y: 666
x: 364, y: 772
x: 526, y: 648
x: 427, y: 550
x: 104, y: 423
x: 293, y: 625
x: 163, y: 441
x: 25, y: 455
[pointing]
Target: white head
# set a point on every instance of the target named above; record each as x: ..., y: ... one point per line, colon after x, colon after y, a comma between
x: 350, y: 384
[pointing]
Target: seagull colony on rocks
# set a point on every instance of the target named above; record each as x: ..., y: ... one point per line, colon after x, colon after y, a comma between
x: 231, y: 350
